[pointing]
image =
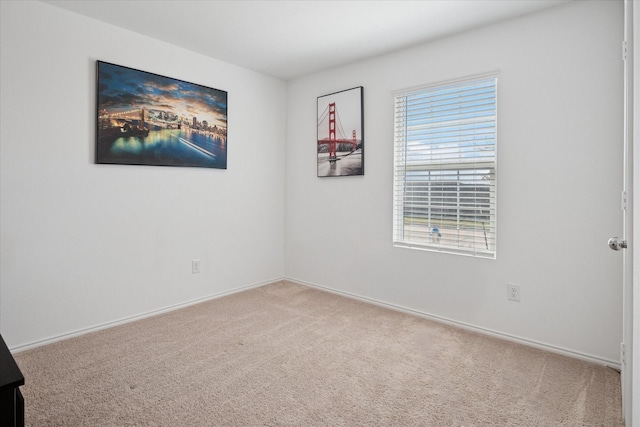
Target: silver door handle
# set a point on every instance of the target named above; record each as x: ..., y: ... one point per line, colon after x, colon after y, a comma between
x: 616, y: 243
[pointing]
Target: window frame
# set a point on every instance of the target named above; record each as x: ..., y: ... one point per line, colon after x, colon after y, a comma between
x: 452, y: 165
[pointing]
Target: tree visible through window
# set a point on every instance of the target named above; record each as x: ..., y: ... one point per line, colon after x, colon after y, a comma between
x: 445, y: 167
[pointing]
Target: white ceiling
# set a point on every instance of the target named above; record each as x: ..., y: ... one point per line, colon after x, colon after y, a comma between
x: 289, y: 39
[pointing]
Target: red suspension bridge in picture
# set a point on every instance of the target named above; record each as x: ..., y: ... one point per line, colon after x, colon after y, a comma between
x: 331, y: 132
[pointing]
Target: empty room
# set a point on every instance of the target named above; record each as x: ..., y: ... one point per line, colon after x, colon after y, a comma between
x: 319, y: 213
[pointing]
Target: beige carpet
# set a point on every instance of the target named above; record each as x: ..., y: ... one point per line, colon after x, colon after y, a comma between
x: 288, y: 355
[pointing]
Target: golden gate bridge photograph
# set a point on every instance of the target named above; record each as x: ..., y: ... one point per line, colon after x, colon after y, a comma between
x: 340, y: 133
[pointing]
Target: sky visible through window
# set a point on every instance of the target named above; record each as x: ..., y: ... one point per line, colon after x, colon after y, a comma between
x: 451, y: 124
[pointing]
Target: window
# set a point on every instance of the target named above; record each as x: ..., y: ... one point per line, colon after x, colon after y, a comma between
x: 445, y: 167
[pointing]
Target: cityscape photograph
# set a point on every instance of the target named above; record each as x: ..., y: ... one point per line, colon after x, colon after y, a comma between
x: 148, y: 119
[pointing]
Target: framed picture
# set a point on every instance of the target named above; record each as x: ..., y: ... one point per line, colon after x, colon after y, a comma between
x: 341, y: 133
x: 148, y: 119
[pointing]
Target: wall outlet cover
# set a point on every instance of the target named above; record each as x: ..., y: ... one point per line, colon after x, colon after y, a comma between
x: 513, y: 292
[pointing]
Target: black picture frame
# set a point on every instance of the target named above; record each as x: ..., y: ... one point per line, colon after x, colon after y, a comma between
x: 340, y: 149
x: 144, y: 118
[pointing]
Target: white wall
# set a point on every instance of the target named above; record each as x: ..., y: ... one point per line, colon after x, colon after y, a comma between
x: 84, y: 244
x: 559, y: 182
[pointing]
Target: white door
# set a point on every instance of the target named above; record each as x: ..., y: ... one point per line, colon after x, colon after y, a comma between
x: 630, y: 306
x: 631, y: 396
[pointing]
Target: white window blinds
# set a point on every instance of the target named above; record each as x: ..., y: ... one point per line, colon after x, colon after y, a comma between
x: 445, y: 167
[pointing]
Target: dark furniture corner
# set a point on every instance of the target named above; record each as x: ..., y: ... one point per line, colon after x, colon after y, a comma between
x: 11, y: 400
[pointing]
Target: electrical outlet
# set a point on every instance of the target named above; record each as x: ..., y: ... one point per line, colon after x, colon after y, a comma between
x: 195, y: 266
x: 513, y: 292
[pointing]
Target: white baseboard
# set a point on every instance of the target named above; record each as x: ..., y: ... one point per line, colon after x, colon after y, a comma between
x: 141, y: 316
x: 485, y: 331
x: 532, y: 343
